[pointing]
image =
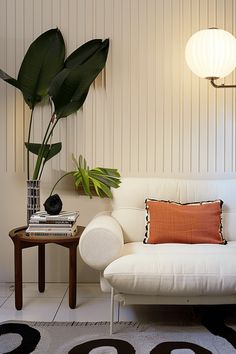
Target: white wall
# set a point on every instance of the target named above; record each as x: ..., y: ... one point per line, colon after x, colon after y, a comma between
x: 146, y: 114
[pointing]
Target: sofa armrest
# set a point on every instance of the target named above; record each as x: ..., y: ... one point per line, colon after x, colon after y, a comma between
x: 101, y: 242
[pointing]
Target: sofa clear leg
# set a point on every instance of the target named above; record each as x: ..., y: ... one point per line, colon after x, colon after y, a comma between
x: 112, y: 311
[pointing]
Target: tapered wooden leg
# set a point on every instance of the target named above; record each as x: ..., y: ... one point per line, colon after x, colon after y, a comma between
x: 72, y: 276
x: 18, y: 275
x: 41, y: 268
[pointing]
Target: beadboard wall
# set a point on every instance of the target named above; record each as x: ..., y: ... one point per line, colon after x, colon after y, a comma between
x: 146, y: 114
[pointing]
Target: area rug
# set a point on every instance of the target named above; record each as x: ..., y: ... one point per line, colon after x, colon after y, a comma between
x: 128, y: 338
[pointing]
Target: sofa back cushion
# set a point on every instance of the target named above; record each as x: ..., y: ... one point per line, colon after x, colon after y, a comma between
x: 171, y: 222
x: 132, y: 221
x: 128, y: 202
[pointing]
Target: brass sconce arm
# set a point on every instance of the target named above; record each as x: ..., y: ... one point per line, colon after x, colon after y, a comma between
x: 212, y: 81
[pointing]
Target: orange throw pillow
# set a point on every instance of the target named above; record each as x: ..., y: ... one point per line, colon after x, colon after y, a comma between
x: 170, y: 222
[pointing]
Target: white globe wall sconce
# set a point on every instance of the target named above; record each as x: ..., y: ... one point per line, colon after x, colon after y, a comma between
x: 211, y: 54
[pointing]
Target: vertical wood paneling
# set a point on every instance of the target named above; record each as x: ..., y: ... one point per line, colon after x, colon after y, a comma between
x: 134, y: 93
x: 176, y: 64
x: 228, y: 98
x: 146, y: 114
x: 211, y: 138
x: 116, y: 82
x: 151, y: 87
x: 233, y: 76
x: 11, y: 67
x: 71, y: 138
x: 159, y: 92
x: 88, y: 107
x: 220, y: 132
x: 19, y: 112
x: 195, y: 111
x: 126, y: 86
x: 142, y: 88
x: 3, y: 87
x: 99, y: 8
x: 167, y: 88
x: 108, y: 114
x: 203, y: 102
x: 187, y: 90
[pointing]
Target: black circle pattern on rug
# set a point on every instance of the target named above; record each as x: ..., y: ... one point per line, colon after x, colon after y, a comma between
x: 167, y: 347
x: 121, y: 346
x: 212, y: 319
x: 30, y: 337
x: 124, y: 347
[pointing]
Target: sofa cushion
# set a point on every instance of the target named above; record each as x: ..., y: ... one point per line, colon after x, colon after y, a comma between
x: 174, y: 269
x: 198, y: 222
x: 132, y: 221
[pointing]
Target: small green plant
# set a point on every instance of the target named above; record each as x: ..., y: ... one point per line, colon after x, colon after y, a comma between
x: 97, y: 180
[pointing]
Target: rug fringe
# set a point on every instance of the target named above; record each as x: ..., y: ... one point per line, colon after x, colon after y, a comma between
x: 83, y: 324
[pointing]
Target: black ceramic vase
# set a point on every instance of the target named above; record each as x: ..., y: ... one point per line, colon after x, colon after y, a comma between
x: 53, y: 204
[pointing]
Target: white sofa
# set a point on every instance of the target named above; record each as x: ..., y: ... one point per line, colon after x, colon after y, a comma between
x: 164, y: 273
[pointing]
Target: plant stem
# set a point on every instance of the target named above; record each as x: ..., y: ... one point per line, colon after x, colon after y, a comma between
x: 42, y: 148
x: 66, y: 174
x: 45, y: 160
x: 28, y: 141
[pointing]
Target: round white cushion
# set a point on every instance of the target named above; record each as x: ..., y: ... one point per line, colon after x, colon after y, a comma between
x: 101, y: 242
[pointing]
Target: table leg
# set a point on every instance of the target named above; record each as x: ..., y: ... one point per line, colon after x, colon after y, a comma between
x: 18, y: 275
x: 41, y: 268
x: 72, y: 276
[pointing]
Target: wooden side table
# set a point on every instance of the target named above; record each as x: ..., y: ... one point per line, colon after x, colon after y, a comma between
x: 22, y: 241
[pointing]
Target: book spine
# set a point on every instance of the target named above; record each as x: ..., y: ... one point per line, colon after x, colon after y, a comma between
x: 53, y: 222
x: 52, y: 232
x: 51, y: 226
x: 47, y: 234
x: 49, y: 230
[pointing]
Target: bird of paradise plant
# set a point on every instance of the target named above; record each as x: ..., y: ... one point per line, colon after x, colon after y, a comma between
x: 44, y: 72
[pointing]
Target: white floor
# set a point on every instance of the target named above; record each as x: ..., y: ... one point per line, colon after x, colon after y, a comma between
x: 92, y: 305
x: 52, y: 305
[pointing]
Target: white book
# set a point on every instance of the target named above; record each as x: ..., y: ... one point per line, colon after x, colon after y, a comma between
x: 51, y: 225
x: 63, y: 217
x: 52, y: 232
x: 51, y: 229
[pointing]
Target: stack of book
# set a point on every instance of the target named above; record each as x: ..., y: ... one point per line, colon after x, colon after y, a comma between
x: 43, y: 224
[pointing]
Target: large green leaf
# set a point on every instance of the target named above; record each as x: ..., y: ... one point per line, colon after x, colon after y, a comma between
x: 83, y: 53
x: 78, y: 57
x: 43, y: 60
x: 54, y: 149
x: 48, y: 152
x: 69, y: 90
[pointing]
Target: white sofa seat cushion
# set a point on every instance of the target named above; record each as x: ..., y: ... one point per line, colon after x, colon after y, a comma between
x: 174, y: 269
